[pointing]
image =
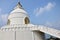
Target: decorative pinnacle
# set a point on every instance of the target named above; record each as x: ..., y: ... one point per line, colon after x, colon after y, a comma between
x: 18, y: 5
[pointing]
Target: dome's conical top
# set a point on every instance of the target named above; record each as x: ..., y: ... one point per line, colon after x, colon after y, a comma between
x: 18, y: 5
x: 18, y: 8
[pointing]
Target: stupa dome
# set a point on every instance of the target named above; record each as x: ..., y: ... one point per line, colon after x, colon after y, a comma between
x: 18, y: 15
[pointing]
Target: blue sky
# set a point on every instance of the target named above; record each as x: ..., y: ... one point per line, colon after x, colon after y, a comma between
x: 41, y: 12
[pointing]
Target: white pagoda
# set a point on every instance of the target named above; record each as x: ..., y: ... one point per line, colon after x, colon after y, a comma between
x: 19, y: 27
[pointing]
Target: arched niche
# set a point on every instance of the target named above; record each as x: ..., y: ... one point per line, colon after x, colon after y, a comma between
x: 26, y: 20
x: 8, y: 22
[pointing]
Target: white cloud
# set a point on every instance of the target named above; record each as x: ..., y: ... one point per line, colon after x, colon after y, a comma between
x: 53, y: 25
x: 41, y: 10
x: 48, y: 24
x: 3, y: 19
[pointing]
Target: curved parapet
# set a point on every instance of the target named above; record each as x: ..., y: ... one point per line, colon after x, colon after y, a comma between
x: 50, y: 31
x: 31, y: 27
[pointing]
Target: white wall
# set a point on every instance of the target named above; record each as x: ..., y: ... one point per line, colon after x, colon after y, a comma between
x: 38, y: 35
x: 24, y: 35
x: 21, y: 35
x: 6, y: 35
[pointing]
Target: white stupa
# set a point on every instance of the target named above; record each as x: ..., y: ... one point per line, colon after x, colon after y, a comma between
x: 20, y: 28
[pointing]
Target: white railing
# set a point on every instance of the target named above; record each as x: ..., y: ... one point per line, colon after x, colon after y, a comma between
x: 47, y: 30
